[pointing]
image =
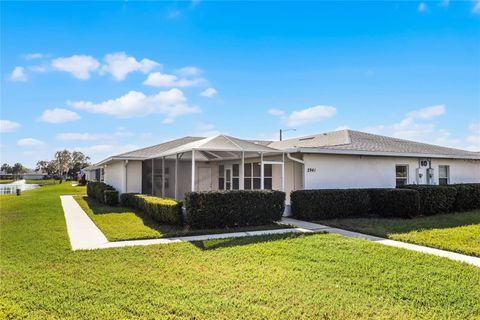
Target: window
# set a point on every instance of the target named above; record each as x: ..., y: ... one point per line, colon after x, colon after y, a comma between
x: 443, y: 174
x: 235, y: 176
x: 221, y: 177
x: 252, y: 172
x: 401, y: 175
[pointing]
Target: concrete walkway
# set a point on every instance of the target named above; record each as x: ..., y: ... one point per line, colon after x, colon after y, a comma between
x: 393, y: 243
x: 84, y: 234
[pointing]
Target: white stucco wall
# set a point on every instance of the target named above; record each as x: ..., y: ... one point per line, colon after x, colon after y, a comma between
x: 115, y: 176
x: 134, y: 176
x: 324, y: 171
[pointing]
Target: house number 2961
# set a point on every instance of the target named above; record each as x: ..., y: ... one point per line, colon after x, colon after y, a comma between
x: 311, y: 169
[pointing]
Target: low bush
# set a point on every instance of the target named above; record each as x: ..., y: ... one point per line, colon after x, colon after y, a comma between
x: 435, y: 199
x: 402, y: 203
x: 234, y: 208
x: 96, y: 190
x: 468, y: 196
x: 329, y: 203
x: 163, y: 210
x: 110, y: 197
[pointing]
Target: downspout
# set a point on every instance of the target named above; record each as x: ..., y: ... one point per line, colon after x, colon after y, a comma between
x: 289, y: 156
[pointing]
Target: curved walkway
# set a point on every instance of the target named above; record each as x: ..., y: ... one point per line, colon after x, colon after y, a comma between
x: 84, y: 235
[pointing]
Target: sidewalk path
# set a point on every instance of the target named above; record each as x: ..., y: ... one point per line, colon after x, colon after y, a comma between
x: 84, y: 234
x: 437, y: 252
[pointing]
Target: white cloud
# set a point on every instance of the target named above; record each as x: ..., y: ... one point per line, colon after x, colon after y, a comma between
x: 171, y: 104
x: 309, y: 115
x: 422, y: 7
x: 189, y: 71
x: 209, y: 93
x: 18, y: 74
x: 158, y: 79
x: 427, y: 113
x: 38, y: 69
x: 119, y: 65
x: 276, y: 112
x: 58, y: 115
x: 8, y: 126
x: 33, y: 56
x: 85, y: 136
x: 476, y: 7
x: 79, y: 66
x: 30, y: 143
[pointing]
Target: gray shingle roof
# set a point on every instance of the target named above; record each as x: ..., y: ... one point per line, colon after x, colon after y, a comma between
x: 158, y: 148
x: 350, y: 140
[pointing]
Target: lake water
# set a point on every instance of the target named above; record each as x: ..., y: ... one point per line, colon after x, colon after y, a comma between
x: 12, y: 187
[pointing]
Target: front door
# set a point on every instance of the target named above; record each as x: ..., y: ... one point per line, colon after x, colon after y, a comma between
x: 204, y: 179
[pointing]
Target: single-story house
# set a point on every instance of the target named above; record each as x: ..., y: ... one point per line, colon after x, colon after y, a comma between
x: 339, y: 159
x: 34, y: 175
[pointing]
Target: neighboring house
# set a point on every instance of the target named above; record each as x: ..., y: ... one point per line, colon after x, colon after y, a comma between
x: 339, y: 159
x: 5, y: 176
x: 34, y: 175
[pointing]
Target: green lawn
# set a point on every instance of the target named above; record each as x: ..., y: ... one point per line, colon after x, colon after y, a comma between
x: 320, y: 276
x: 5, y: 181
x: 120, y: 223
x: 459, y: 232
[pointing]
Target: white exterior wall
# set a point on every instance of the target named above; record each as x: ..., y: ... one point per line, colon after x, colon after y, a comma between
x: 124, y: 179
x: 323, y: 171
x: 115, y: 175
x: 134, y: 176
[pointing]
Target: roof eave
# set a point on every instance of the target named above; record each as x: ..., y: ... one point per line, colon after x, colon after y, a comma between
x: 388, y: 154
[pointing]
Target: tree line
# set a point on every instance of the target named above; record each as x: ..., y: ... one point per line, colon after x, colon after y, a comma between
x: 64, y: 163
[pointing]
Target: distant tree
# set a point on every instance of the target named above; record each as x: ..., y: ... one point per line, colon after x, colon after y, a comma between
x: 63, y: 162
x: 79, y: 161
x: 48, y: 167
x: 18, y: 168
x: 6, y: 168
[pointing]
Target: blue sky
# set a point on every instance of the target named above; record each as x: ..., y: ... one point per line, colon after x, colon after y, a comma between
x: 107, y: 77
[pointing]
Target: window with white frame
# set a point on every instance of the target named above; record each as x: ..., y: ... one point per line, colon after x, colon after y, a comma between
x: 221, y: 177
x: 443, y: 174
x: 401, y: 174
x: 252, y: 176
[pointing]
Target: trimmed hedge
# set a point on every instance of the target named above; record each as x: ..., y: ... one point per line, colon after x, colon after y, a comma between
x: 468, y: 196
x: 163, y: 210
x: 330, y: 203
x: 434, y: 199
x: 102, y: 192
x: 402, y: 203
x: 234, y: 208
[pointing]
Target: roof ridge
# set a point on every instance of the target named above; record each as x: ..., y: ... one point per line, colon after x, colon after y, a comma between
x: 156, y: 145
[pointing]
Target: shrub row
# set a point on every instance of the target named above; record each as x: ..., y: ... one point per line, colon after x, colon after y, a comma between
x: 344, y: 203
x: 329, y: 203
x: 406, y: 201
x: 235, y: 208
x: 434, y: 199
x: 443, y: 199
x: 468, y: 196
x: 163, y: 210
x: 102, y: 192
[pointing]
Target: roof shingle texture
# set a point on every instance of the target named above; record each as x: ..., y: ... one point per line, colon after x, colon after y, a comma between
x: 350, y: 140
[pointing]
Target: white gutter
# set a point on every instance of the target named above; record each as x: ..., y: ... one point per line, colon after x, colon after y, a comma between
x: 387, y: 154
x: 289, y: 156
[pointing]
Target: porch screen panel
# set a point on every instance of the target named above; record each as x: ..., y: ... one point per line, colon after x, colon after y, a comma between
x: 147, y: 176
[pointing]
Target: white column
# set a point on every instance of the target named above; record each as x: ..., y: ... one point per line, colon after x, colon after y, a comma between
x: 125, y: 182
x: 163, y: 177
x: 153, y: 175
x: 283, y: 172
x: 261, y: 172
x: 193, y: 170
x: 242, y: 173
x: 176, y: 175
